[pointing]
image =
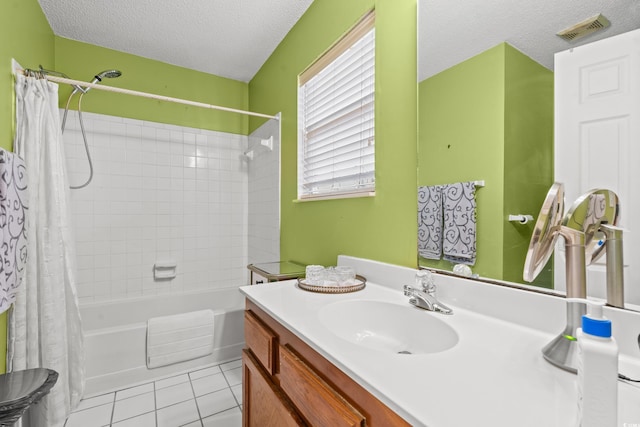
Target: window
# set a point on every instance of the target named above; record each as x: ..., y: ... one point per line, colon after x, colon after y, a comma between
x: 336, y: 156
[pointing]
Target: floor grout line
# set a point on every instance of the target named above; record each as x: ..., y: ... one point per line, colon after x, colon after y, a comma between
x: 230, y: 388
x: 113, y: 409
x: 114, y: 400
x: 195, y: 398
x: 155, y: 404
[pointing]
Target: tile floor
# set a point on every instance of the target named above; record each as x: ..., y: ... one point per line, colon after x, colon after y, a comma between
x: 206, y: 397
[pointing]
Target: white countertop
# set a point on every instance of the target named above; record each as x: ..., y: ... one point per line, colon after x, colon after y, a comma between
x: 494, y: 376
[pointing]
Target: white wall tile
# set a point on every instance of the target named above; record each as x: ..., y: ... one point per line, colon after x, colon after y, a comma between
x: 263, y: 201
x: 159, y: 191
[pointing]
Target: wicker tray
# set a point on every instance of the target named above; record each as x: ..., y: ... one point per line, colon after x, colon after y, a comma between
x: 359, y: 285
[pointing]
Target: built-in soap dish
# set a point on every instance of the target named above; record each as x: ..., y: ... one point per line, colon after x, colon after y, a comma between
x: 165, y: 270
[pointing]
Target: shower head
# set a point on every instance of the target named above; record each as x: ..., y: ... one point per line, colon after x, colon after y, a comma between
x: 109, y: 74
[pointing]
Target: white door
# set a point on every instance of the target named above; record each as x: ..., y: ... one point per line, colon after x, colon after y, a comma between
x: 597, y: 141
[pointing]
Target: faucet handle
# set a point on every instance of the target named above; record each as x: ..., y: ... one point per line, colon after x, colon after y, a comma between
x: 424, y: 279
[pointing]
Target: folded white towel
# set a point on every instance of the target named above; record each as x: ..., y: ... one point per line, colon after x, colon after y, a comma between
x: 459, y: 205
x: 177, y: 338
x: 13, y: 238
x: 430, y: 222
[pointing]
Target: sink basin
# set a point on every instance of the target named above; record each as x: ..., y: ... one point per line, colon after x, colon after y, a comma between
x: 388, y: 327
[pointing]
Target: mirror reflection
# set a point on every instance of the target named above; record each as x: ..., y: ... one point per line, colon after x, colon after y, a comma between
x: 487, y: 112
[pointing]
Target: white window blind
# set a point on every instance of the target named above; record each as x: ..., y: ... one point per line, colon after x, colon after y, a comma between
x: 336, y: 154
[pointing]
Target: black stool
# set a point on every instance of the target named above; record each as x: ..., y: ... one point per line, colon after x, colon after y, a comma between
x: 21, y: 389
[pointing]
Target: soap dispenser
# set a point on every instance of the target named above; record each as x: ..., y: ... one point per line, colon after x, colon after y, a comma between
x: 597, y: 370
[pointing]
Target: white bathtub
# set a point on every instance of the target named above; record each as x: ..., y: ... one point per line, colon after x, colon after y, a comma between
x: 115, y: 336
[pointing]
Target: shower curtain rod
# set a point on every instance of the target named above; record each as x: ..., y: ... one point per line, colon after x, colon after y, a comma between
x: 152, y: 96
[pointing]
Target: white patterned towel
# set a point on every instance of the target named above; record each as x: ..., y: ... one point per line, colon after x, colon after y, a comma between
x: 430, y: 222
x: 459, y: 205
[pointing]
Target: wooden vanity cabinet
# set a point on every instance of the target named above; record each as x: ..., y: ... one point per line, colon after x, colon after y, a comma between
x: 264, y: 403
x: 287, y: 383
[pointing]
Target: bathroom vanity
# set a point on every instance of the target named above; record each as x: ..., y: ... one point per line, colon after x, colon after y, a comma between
x: 286, y: 382
x: 369, y: 357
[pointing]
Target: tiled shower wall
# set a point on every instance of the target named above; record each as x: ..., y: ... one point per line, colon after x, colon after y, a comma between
x: 264, y: 194
x: 159, y: 193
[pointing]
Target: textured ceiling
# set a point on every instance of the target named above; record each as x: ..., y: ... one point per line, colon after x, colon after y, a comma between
x: 228, y: 38
x: 233, y: 38
x: 450, y: 31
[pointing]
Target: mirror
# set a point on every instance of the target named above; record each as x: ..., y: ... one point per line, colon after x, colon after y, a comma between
x: 486, y: 99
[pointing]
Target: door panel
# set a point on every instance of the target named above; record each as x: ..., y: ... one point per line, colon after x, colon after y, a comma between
x: 597, y: 138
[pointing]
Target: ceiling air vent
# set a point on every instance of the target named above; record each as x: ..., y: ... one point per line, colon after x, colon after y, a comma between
x: 584, y: 28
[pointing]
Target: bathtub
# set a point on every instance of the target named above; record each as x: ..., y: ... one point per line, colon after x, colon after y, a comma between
x: 115, y: 336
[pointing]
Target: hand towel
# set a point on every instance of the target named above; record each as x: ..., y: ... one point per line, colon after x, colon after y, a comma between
x: 459, y: 206
x: 430, y: 222
x: 13, y: 234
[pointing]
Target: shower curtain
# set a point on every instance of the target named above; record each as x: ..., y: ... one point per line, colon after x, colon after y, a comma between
x: 44, y: 326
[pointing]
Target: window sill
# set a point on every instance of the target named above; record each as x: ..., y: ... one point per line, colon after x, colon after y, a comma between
x: 336, y: 196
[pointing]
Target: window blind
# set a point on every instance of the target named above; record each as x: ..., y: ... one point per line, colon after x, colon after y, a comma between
x: 336, y: 154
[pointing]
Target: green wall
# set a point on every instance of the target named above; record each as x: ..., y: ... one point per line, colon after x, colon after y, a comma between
x: 26, y: 37
x: 82, y: 61
x: 528, y: 157
x: 491, y: 118
x: 461, y: 139
x: 381, y: 227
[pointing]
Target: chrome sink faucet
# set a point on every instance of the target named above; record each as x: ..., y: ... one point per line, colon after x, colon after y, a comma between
x: 425, y: 298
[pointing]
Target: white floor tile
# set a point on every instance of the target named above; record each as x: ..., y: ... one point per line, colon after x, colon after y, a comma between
x: 209, y: 384
x: 146, y: 420
x: 218, y: 390
x: 231, y: 365
x: 95, y: 417
x: 168, y: 382
x: 229, y: 418
x: 133, y: 406
x: 178, y: 415
x: 134, y: 391
x: 175, y: 394
x: 204, y: 372
x: 237, y: 392
x: 218, y: 401
x: 234, y: 376
x: 95, y: 401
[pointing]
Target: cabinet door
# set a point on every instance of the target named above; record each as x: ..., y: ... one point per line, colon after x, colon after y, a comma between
x: 261, y: 340
x: 318, y: 402
x: 264, y: 404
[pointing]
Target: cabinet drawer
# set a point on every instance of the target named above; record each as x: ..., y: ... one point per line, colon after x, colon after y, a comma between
x: 261, y: 340
x: 316, y: 400
x: 264, y: 404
